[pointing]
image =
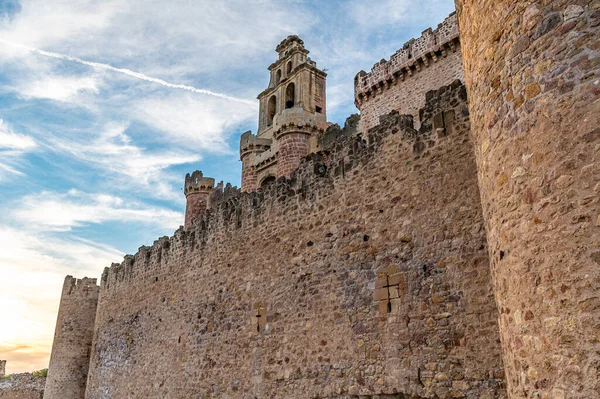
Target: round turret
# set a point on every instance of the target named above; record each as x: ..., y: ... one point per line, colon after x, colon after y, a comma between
x: 196, y: 190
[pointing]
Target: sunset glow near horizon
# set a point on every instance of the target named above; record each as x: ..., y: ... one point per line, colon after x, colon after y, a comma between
x: 106, y: 105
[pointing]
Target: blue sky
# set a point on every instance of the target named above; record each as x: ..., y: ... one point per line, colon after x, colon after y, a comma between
x: 92, y: 160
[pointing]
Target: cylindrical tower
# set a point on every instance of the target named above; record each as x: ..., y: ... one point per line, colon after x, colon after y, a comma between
x: 70, y: 358
x: 197, y: 188
x: 532, y: 69
x: 292, y: 145
x: 250, y: 147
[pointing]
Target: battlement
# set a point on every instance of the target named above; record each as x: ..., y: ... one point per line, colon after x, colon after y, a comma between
x: 251, y: 143
x: 229, y: 208
x: 270, y: 280
x: 197, y: 183
x: 423, y: 64
x: 80, y: 287
x: 431, y: 44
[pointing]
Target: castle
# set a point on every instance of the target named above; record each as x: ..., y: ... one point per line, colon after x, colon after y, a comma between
x: 438, y: 248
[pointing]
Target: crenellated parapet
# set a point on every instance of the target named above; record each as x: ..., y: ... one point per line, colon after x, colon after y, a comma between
x: 197, y: 183
x: 251, y: 143
x: 433, y: 60
x: 196, y: 189
x: 230, y: 208
x: 415, y: 54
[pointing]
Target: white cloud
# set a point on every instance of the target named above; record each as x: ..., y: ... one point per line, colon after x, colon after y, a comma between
x: 13, y: 146
x: 125, y: 163
x: 9, y: 140
x: 60, y: 212
x: 60, y: 88
x: 202, y: 123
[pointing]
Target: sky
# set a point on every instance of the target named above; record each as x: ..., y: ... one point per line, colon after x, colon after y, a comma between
x: 106, y: 105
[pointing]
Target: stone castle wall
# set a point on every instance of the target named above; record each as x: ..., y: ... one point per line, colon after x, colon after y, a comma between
x: 69, y: 360
x: 22, y: 386
x: 533, y: 74
x: 338, y: 282
x: 423, y: 64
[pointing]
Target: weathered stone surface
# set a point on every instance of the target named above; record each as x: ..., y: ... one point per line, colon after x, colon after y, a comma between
x: 70, y: 357
x: 273, y: 294
x: 22, y: 386
x: 423, y: 64
x: 292, y: 116
x: 540, y: 222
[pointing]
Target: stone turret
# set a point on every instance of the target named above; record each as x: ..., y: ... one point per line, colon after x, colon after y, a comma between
x: 196, y: 189
x: 69, y: 361
x: 2, y: 368
x: 292, y: 113
x: 532, y: 71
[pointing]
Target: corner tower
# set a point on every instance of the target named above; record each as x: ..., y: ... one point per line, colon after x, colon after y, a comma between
x: 292, y: 112
x: 532, y: 71
x: 70, y: 358
x: 197, y: 188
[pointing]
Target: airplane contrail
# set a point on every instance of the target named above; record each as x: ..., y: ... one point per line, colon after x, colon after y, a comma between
x: 126, y: 72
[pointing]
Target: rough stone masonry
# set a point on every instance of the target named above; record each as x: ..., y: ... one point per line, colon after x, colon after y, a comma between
x: 533, y: 74
x: 338, y: 282
x: 453, y: 255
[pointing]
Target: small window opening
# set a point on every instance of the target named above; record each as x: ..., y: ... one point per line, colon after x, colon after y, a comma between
x: 319, y: 109
x: 290, y: 95
x: 365, y: 238
x: 278, y: 76
x: 501, y: 255
x: 289, y: 67
x: 271, y: 110
x: 179, y: 340
x: 389, y: 306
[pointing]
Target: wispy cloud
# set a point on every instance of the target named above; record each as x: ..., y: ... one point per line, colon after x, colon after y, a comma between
x: 188, y: 121
x: 122, y: 162
x: 59, y: 88
x: 12, y: 148
x: 127, y: 72
x: 60, y: 212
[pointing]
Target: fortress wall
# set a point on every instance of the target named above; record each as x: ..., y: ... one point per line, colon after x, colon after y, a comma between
x: 408, y: 96
x: 364, y: 273
x: 426, y: 63
x: 533, y: 74
x: 69, y: 360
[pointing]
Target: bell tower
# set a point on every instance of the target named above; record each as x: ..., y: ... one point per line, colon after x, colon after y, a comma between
x: 296, y: 84
x: 292, y: 112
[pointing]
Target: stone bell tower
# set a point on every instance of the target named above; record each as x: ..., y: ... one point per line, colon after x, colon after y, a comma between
x: 292, y: 112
